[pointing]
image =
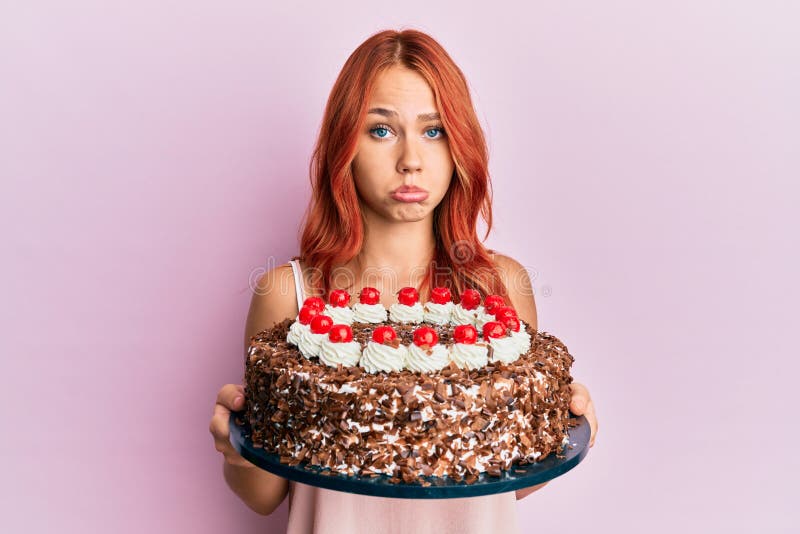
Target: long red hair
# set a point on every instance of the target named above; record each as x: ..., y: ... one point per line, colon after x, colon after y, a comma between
x: 333, y: 230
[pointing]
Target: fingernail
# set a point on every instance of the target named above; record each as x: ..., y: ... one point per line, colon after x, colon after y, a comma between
x: 237, y: 400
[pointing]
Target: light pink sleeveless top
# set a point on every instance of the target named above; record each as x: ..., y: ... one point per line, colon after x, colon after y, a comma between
x: 322, y: 511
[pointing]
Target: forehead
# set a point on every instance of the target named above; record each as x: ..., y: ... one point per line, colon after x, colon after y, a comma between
x: 404, y: 90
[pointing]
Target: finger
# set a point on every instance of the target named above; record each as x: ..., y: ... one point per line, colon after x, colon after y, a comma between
x: 231, y: 396
x: 229, y: 393
x: 219, y: 423
x: 592, y: 418
x: 221, y: 432
x: 581, y: 404
x: 580, y: 398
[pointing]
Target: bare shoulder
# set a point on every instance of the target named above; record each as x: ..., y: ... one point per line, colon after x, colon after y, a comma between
x: 273, y: 301
x: 520, y: 289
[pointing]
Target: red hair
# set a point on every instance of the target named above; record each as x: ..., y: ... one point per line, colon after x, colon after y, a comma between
x: 333, y: 230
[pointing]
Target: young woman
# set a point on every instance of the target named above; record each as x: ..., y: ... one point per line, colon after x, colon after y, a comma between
x: 400, y: 176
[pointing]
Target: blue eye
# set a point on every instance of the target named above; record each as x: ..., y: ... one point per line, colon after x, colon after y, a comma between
x: 435, y: 130
x: 380, y: 131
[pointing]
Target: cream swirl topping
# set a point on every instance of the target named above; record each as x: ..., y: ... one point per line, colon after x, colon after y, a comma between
x: 468, y: 356
x: 504, y: 349
x: 481, y: 317
x: 369, y: 313
x: 335, y: 353
x: 437, y: 313
x: 400, y: 313
x: 309, y: 343
x: 340, y: 315
x: 295, y: 331
x: 522, y: 339
x: 379, y: 357
x: 460, y: 315
x: 418, y: 359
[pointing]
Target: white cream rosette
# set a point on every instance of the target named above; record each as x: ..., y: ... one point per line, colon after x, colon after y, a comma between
x: 369, y: 313
x: 435, y: 313
x: 295, y: 331
x: 381, y: 357
x: 460, y: 315
x: 482, y: 317
x: 477, y: 317
x: 309, y: 342
x: 339, y: 314
x: 469, y: 355
x: 522, y: 339
x: 418, y: 358
x: 333, y: 353
x: 504, y: 349
x: 400, y: 313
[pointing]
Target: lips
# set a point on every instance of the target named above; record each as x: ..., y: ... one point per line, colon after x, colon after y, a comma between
x: 409, y: 193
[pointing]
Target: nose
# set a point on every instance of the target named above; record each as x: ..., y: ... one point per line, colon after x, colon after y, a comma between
x: 410, y: 161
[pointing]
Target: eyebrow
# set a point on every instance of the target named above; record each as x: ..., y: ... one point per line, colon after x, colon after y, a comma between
x: 392, y: 113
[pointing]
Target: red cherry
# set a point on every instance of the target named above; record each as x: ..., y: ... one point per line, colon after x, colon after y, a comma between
x: 369, y: 295
x: 465, y: 333
x: 503, y: 312
x: 307, y: 313
x: 440, y: 295
x: 408, y: 296
x: 494, y: 329
x: 383, y: 334
x: 511, y: 323
x: 425, y: 335
x: 339, y: 298
x: 321, y: 324
x: 492, y: 302
x: 315, y: 302
x: 470, y: 299
x: 340, y: 333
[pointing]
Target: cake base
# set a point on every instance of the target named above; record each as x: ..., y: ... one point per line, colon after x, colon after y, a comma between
x: 518, y: 477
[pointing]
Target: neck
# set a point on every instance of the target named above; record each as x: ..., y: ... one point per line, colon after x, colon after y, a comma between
x: 402, y: 250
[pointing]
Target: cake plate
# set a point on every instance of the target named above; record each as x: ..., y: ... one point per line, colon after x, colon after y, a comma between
x: 518, y: 477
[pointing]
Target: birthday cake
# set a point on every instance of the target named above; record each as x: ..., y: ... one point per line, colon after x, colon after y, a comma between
x: 416, y: 390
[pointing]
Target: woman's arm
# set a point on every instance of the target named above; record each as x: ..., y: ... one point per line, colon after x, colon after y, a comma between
x: 520, y: 292
x: 262, y: 491
x: 273, y: 300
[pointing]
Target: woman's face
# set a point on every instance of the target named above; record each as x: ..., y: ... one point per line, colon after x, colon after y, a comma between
x: 402, y: 167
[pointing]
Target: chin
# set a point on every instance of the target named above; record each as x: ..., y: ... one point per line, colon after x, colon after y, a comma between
x: 412, y: 213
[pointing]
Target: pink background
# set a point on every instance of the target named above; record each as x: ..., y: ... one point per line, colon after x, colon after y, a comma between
x: 645, y: 161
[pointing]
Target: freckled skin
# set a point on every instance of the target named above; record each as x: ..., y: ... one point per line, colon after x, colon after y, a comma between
x: 402, y: 150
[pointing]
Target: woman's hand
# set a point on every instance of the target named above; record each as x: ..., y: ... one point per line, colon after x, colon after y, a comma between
x: 581, y: 404
x: 230, y: 398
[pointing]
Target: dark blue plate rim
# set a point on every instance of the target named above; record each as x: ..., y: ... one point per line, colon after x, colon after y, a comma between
x: 518, y: 477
